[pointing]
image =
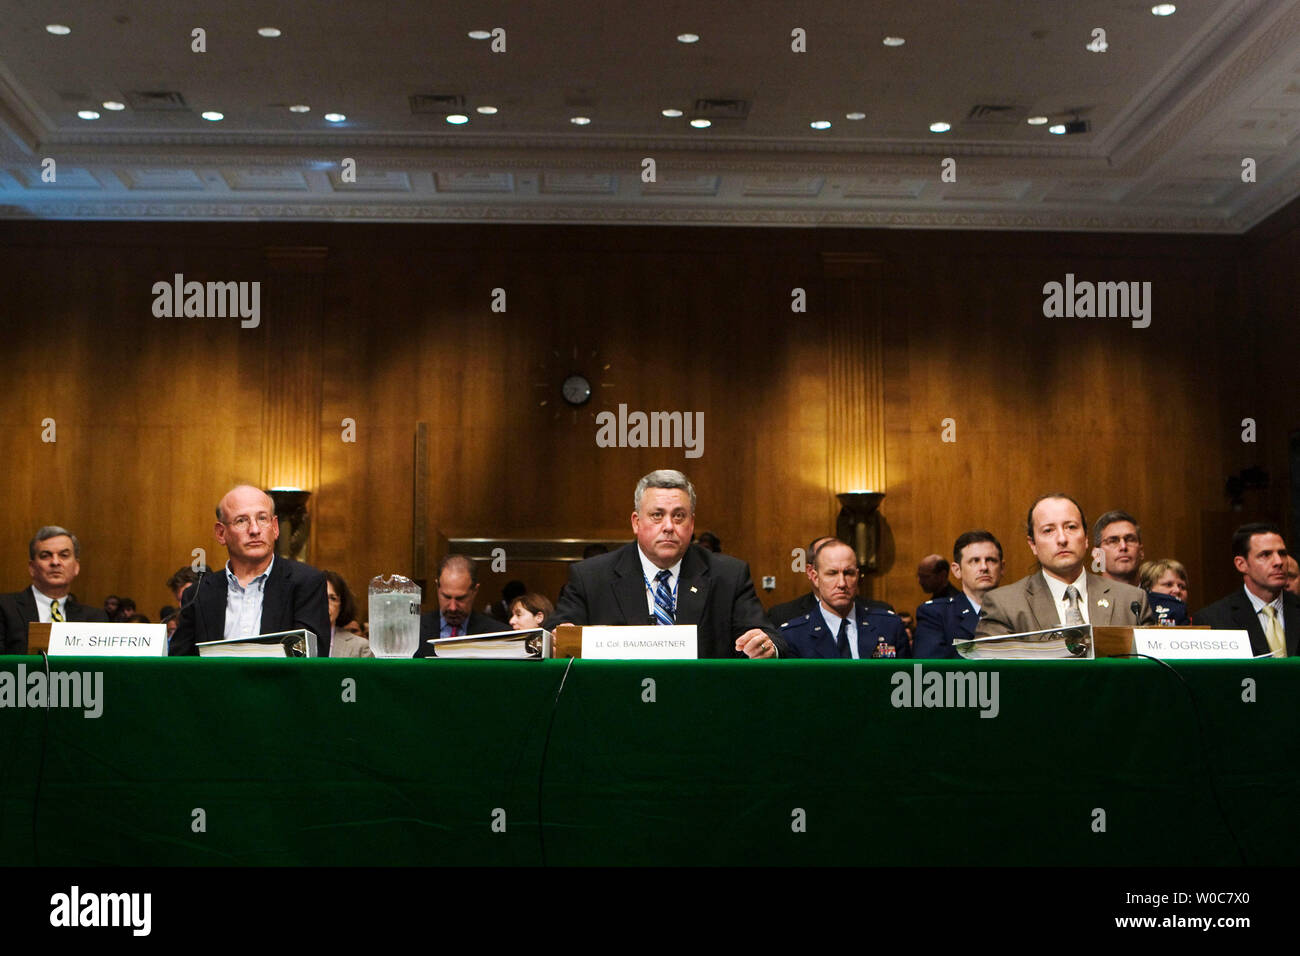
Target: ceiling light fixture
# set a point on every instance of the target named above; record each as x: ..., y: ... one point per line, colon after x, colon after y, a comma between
x: 1036, y: 120
x: 113, y: 105
x: 88, y: 114
x: 1058, y: 129
x: 300, y: 108
x: 58, y: 29
x: 487, y: 110
x: 688, y: 38
x: 268, y: 31
x: 580, y: 120
x: 820, y: 124
x: 457, y: 119
x: 893, y: 41
x: 855, y: 116
x: 335, y: 117
x: 671, y: 113
x: 1164, y: 9
x: 212, y: 116
x: 479, y: 35
x: 701, y: 123
x: 940, y: 127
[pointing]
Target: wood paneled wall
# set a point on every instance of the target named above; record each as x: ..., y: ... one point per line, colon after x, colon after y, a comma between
x: 392, y: 325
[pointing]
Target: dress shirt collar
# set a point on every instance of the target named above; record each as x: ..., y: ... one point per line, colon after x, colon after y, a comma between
x: 650, y: 569
x: 233, y: 581
x: 1258, y: 603
x: 43, y: 605
x: 1057, y: 587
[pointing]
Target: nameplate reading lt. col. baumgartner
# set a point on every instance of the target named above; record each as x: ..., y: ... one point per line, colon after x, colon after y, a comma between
x: 82, y: 639
x: 640, y: 642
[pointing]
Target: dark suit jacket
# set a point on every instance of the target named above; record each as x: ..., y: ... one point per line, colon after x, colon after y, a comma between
x: 808, y: 636
x: 940, y: 621
x: 778, y: 614
x: 1027, y: 605
x: 294, y: 598
x: 431, y: 624
x: 1235, y: 613
x: 714, y: 592
x: 17, y: 610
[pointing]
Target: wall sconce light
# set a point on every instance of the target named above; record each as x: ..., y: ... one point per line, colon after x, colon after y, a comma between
x: 859, y: 524
x: 295, y: 522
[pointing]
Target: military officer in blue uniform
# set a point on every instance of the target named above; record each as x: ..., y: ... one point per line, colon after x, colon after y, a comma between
x: 841, y: 625
x: 977, y: 566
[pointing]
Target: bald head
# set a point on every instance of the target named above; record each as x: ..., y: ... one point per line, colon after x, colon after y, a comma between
x: 932, y: 573
x: 247, y: 526
x: 242, y: 493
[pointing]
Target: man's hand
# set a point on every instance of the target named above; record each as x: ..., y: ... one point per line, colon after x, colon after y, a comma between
x: 755, y: 643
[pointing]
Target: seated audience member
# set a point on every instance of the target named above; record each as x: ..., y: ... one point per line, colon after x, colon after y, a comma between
x: 529, y: 611
x: 172, y: 622
x: 1292, y: 575
x: 457, y: 586
x: 778, y: 614
x: 977, y: 565
x: 1262, y: 607
x: 54, y: 562
x: 501, y: 609
x: 343, y: 611
x: 841, y: 626
x: 1165, y: 581
x: 181, y: 581
x: 932, y: 575
x: 707, y: 539
x: 662, y: 578
x: 1119, y: 537
x: 1062, y: 592
x: 110, y: 606
x: 256, y: 592
x: 909, y: 625
x: 125, y: 609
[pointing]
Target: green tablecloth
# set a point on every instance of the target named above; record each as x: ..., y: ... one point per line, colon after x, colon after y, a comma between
x: 734, y: 762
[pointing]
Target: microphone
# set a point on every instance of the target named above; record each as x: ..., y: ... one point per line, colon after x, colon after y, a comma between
x: 1136, y: 608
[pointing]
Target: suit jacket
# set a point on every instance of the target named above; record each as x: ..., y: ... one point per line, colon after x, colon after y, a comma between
x: 431, y: 625
x: 294, y: 598
x: 1235, y: 613
x: 347, y: 644
x: 714, y: 592
x: 940, y: 621
x: 17, y: 610
x: 778, y: 614
x: 1027, y: 605
x: 880, y: 634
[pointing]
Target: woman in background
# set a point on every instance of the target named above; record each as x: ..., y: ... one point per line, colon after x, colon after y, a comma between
x: 344, y: 642
x: 1166, y: 583
x: 529, y: 610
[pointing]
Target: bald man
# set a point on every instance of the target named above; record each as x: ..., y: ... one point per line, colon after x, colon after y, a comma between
x: 932, y: 575
x: 256, y: 592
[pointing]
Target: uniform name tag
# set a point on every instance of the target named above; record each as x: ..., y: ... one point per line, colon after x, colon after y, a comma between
x: 87, y: 639
x: 650, y: 642
x: 1172, y: 644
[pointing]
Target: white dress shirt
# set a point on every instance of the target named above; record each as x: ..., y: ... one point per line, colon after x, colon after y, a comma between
x: 1259, y: 604
x: 650, y: 569
x: 1057, y: 587
x: 244, y: 603
x: 43, y: 606
x: 833, y: 622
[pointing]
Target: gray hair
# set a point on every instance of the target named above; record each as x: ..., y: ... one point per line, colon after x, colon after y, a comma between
x: 53, y: 531
x: 663, y: 478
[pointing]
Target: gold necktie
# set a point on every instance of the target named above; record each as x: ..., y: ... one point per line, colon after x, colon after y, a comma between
x: 55, y: 616
x: 1273, y: 631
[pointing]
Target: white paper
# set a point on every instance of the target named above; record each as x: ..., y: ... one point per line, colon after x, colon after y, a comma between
x: 1169, y: 643
x: 82, y: 639
x: 640, y: 642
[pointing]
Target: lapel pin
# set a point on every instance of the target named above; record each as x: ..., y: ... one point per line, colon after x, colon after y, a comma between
x: 1102, y: 602
x: 693, y: 590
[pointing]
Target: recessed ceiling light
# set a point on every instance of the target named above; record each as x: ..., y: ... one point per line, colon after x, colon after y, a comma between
x: 58, y: 29
x: 335, y: 117
x: 820, y: 124
x: 457, y: 119
x: 487, y: 110
x: 1163, y: 9
x: 580, y: 120
x: 114, y: 105
x: 1058, y: 129
x: 671, y: 113
x: 1036, y: 120
x: 479, y: 34
x: 940, y: 127
x: 300, y: 108
x: 87, y: 114
x: 893, y: 41
x: 268, y: 31
x: 701, y: 123
x: 688, y: 38
x: 213, y: 116
x: 855, y: 116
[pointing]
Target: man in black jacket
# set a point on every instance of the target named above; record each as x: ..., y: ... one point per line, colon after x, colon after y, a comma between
x: 54, y: 562
x: 1262, y: 607
x: 256, y: 592
x: 457, y: 587
x: 662, y: 578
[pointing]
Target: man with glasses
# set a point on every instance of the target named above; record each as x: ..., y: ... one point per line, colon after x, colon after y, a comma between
x: 1119, y: 538
x: 256, y: 592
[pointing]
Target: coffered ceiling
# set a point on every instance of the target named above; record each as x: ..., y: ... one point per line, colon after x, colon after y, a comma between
x: 1168, y: 113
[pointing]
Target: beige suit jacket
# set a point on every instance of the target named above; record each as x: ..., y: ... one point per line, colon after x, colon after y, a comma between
x: 1027, y: 605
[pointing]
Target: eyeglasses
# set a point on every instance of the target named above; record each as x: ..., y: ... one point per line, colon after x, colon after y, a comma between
x: 242, y: 522
x: 1114, y: 540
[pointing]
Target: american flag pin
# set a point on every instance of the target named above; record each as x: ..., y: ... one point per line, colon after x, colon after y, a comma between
x: 1102, y: 602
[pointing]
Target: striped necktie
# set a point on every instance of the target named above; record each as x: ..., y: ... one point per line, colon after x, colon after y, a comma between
x: 55, y: 616
x: 664, y: 609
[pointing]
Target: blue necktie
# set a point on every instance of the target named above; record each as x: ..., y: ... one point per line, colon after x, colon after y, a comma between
x: 663, y: 599
x: 842, y: 639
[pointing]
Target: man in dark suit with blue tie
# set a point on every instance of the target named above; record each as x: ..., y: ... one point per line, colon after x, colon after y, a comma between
x: 977, y: 565
x: 841, y: 625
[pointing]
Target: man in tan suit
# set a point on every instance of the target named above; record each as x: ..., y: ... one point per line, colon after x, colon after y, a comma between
x: 1061, y: 592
